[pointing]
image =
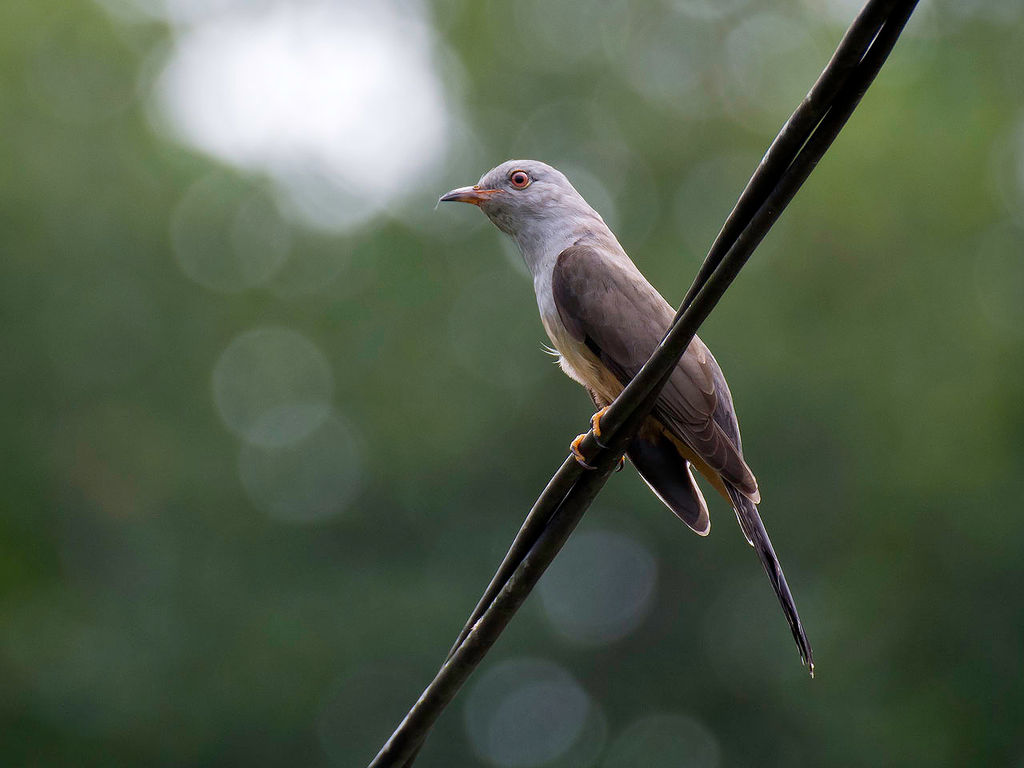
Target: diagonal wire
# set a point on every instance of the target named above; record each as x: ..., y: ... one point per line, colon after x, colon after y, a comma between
x: 793, y: 136
x: 836, y: 100
x: 780, y: 155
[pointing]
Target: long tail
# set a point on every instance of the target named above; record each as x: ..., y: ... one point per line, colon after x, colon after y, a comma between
x: 668, y: 474
x: 753, y: 529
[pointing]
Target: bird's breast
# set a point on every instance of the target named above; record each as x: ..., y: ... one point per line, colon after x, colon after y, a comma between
x: 578, y: 362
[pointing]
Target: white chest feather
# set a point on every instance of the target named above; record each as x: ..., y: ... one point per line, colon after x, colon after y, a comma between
x: 575, y: 358
x: 540, y: 245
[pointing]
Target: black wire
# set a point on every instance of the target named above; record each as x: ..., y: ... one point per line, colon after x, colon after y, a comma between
x: 791, y: 158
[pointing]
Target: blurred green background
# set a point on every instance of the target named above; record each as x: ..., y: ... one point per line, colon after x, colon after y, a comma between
x: 270, y: 420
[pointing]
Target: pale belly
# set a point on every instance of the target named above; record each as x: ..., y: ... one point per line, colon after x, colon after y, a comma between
x: 580, y: 364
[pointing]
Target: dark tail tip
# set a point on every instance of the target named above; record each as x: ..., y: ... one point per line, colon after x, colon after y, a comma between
x: 753, y: 528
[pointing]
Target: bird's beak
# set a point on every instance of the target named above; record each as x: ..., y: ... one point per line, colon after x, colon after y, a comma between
x: 473, y: 195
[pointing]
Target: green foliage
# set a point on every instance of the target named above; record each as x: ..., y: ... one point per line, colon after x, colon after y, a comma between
x: 174, y: 593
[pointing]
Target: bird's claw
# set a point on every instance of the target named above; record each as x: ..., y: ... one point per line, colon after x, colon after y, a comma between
x: 595, y: 424
x: 574, y: 446
x: 577, y: 454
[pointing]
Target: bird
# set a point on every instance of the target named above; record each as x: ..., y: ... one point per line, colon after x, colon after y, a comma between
x: 604, y: 320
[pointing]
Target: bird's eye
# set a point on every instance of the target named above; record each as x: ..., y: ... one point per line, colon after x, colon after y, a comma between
x: 520, y: 179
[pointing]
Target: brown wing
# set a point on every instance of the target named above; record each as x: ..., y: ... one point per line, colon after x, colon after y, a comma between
x: 608, y: 305
x: 621, y: 318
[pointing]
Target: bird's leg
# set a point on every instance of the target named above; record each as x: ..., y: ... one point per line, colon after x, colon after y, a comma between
x: 595, y: 424
x: 574, y: 446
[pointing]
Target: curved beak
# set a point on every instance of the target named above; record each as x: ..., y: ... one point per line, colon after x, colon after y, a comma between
x: 473, y: 195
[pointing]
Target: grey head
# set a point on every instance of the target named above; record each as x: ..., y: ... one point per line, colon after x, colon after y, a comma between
x: 535, y: 204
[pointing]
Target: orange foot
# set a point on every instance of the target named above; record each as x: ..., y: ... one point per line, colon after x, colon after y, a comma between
x: 574, y: 446
x: 595, y: 423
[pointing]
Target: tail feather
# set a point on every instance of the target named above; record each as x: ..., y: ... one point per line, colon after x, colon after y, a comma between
x: 669, y: 475
x: 757, y: 536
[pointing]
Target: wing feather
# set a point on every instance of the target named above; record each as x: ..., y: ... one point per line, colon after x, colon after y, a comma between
x: 608, y: 305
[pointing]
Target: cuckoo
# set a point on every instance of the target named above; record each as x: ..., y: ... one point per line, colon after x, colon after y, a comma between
x: 604, y: 320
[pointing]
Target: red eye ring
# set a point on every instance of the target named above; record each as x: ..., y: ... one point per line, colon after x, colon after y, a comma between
x: 519, y: 179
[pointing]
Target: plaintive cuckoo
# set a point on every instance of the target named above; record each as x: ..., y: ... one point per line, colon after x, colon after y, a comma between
x: 605, y: 319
